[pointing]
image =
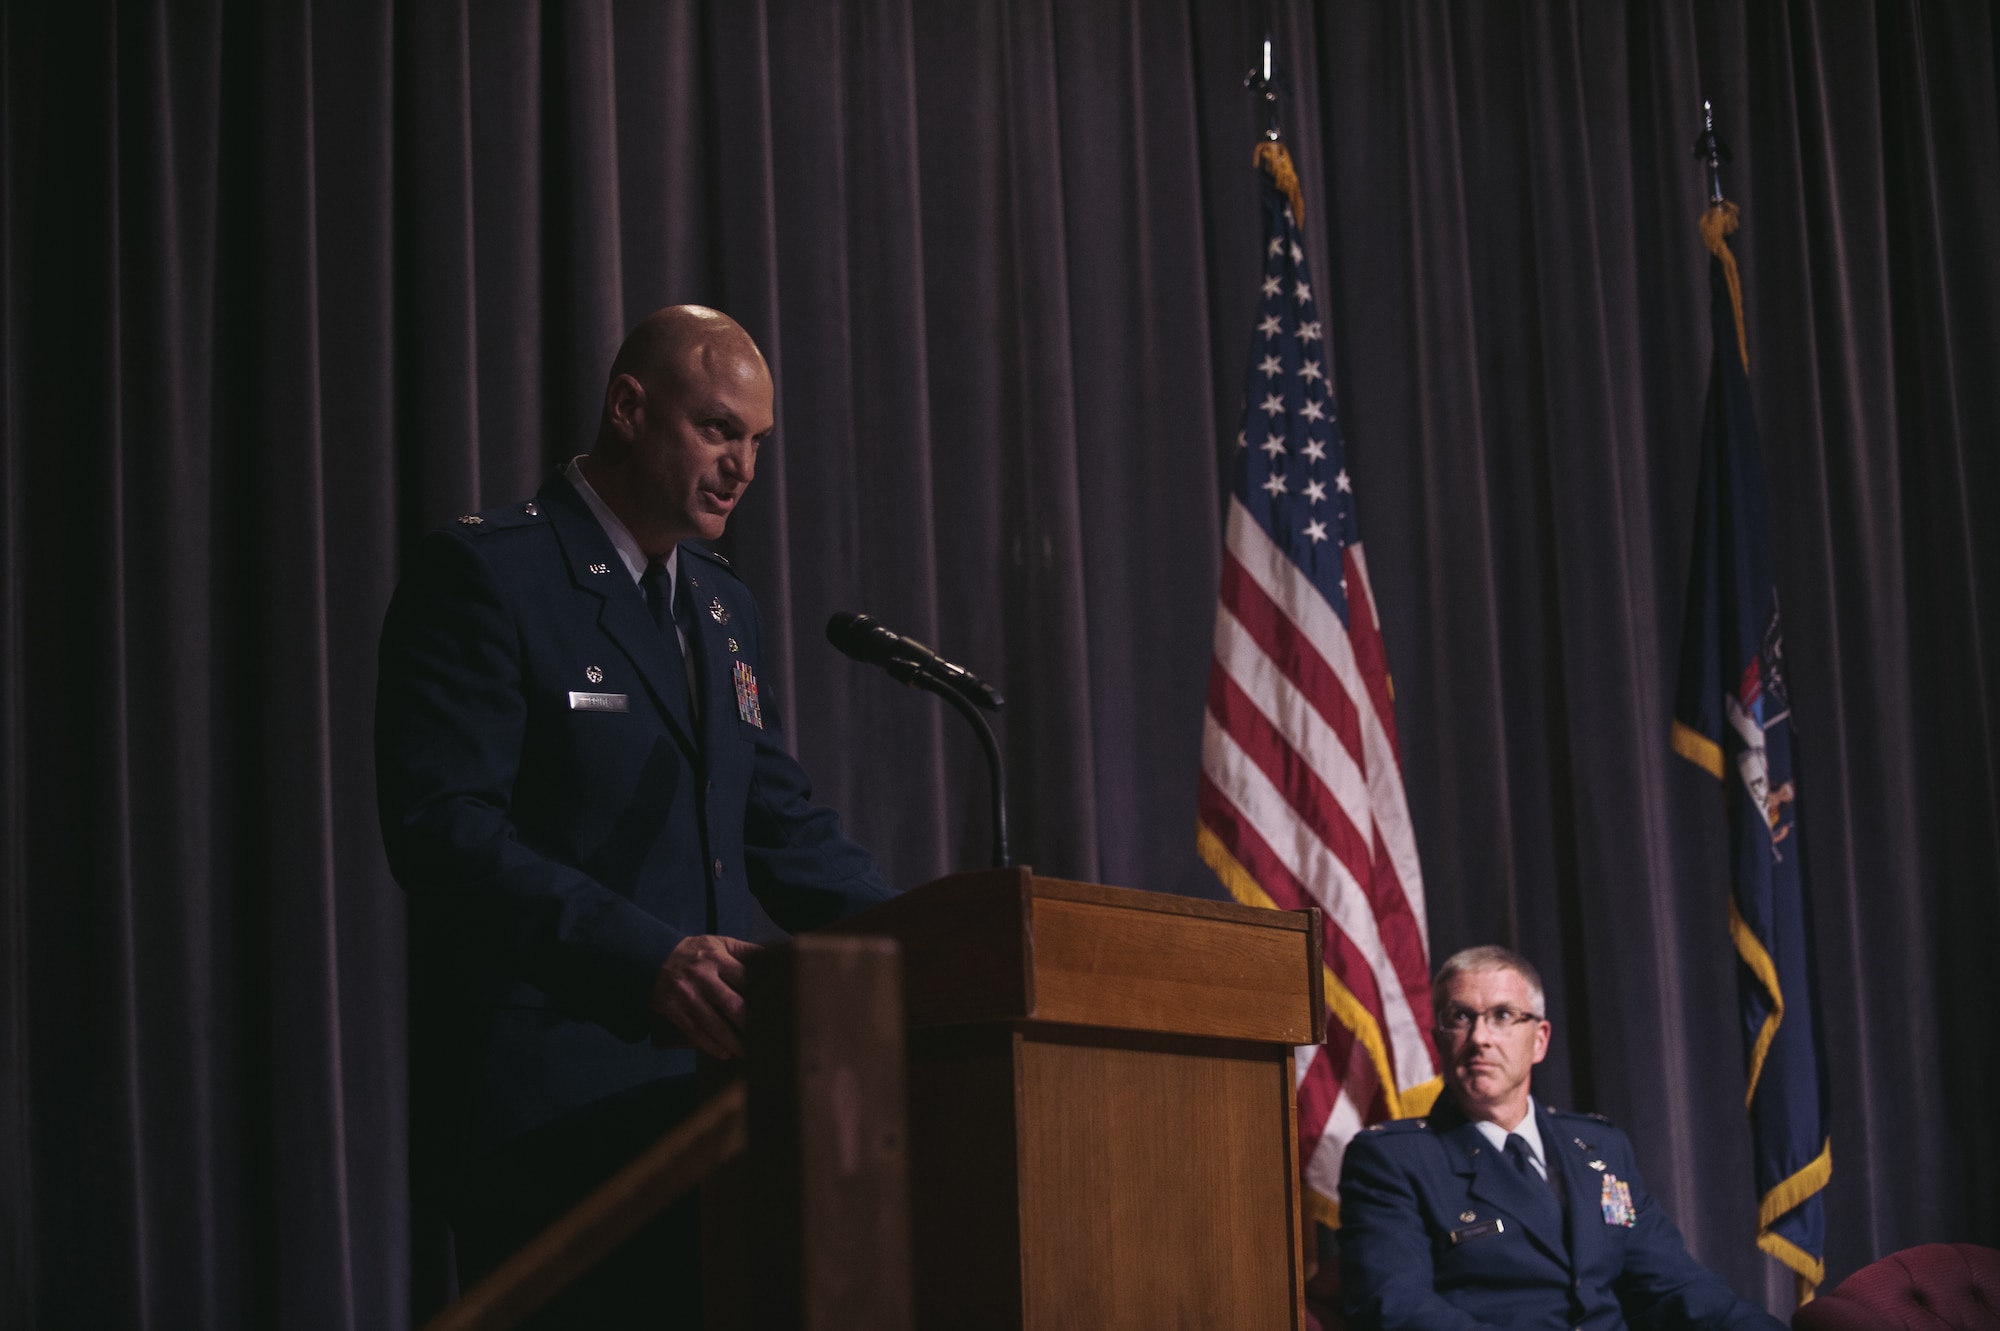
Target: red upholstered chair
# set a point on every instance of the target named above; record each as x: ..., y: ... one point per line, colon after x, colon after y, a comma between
x: 1937, y: 1287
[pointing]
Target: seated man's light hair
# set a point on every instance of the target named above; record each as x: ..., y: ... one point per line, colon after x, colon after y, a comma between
x: 1489, y: 957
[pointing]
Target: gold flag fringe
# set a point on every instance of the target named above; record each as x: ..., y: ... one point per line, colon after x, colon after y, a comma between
x: 1719, y: 221
x: 1272, y: 157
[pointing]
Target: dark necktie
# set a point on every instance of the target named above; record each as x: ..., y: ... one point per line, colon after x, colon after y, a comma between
x: 1517, y: 1151
x: 1539, y: 1206
x: 654, y: 584
x: 671, y: 611
x: 683, y: 614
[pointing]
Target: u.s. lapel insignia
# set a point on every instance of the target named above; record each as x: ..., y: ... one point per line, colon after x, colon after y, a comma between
x: 747, y: 706
x: 717, y: 611
x: 1614, y: 1198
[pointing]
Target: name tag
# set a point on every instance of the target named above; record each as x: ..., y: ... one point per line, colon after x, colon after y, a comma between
x: 1495, y: 1226
x: 598, y: 702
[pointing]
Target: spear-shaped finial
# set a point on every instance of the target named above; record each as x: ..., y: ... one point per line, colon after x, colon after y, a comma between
x: 1710, y: 148
x: 1264, y: 78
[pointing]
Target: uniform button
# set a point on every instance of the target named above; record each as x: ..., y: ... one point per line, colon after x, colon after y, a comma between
x: 717, y: 866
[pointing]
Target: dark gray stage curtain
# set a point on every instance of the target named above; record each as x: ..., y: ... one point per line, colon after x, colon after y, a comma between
x: 286, y: 285
x: 1516, y: 290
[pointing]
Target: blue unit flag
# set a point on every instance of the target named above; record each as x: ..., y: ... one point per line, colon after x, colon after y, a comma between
x: 1733, y: 719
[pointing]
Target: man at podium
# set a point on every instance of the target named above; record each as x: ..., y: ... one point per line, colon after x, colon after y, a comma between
x: 1499, y: 1211
x: 582, y: 785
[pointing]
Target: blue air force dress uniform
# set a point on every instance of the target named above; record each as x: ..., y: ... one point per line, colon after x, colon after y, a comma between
x: 564, y: 805
x: 1441, y: 1231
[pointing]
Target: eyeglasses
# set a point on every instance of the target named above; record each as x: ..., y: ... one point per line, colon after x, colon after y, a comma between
x: 1505, y: 1017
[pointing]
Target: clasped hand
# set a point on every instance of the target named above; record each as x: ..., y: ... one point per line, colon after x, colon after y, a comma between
x: 699, y: 995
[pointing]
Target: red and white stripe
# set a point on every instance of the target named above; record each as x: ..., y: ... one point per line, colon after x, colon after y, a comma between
x: 1302, y: 793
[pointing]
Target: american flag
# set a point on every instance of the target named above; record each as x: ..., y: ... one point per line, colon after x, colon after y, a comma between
x: 1301, y: 799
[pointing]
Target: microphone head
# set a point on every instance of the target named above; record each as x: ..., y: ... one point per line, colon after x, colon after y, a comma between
x: 870, y: 643
x: 854, y: 635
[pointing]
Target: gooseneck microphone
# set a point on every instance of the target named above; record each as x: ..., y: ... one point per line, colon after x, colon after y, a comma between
x: 873, y: 643
x: 910, y: 662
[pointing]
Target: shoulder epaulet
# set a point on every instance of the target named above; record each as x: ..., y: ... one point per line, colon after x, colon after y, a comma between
x: 522, y: 514
x: 1578, y: 1113
x: 707, y: 554
x: 1396, y: 1125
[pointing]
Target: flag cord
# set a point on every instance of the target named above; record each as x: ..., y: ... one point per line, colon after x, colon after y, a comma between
x: 1273, y: 158
x: 1719, y: 221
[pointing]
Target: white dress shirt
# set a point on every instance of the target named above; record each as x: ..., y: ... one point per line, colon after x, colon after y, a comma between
x: 1525, y: 1130
x: 634, y: 558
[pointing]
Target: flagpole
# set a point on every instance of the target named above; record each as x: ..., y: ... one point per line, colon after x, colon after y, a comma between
x: 1721, y: 723
x: 1283, y: 820
x: 1709, y: 148
x: 1264, y: 78
x: 1270, y: 155
x: 1721, y: 219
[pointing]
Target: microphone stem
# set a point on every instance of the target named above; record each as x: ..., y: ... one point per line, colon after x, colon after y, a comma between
x: 995, y: 768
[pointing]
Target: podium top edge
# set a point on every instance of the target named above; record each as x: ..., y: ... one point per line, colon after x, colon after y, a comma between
x: 1125, y: 898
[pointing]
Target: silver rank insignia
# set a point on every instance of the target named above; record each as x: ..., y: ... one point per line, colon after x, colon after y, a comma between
x: 531, y: 510
x: 747, y: 706
x: 719, y: 613
x: 733, y: 647
x: 472, y: 519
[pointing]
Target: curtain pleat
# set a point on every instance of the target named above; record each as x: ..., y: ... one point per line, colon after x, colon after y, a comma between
x: 286, y: 285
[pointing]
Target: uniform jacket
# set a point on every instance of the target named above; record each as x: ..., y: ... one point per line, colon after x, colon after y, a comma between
x: 1440, y: 1232
x: 556, y: 848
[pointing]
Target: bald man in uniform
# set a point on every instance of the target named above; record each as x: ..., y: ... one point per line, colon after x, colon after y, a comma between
x: 582, y: 785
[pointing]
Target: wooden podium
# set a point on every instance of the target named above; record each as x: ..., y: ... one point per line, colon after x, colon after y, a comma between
x: 1102, y: 1127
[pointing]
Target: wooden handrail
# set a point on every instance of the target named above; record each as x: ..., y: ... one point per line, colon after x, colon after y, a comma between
x: 711, y: 1137
x: 811, y: 1229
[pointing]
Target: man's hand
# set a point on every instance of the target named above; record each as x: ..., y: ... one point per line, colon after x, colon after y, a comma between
x: 699, y: 993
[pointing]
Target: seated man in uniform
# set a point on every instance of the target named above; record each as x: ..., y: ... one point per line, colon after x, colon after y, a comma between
x: 583, y: 786
x: 1496, y: 1211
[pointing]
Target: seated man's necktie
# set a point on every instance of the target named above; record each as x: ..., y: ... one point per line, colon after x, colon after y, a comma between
x: 1523, y: 1158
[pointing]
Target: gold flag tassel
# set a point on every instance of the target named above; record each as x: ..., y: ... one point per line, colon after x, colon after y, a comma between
x: 1721, y: 220
x: 1273, y: 158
